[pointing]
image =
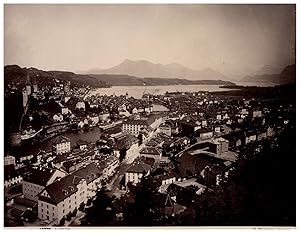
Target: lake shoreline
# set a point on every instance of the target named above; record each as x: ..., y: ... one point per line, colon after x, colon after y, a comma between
x: 138, y: 91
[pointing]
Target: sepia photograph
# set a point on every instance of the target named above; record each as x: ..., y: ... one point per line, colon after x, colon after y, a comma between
x: 149, y: 115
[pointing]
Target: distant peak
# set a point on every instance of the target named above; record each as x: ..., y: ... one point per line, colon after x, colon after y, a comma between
x: 127, y: 61
x: 174, y: 64
x: 136, y: 61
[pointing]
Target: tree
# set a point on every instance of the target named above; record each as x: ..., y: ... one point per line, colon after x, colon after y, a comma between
x: 144, y: 211
x: 74, y: 212
x: 102, y: 211
x: 69, y: 216
x: 252, y: 196
x: 122, y: 154
x: 62, y: 221
x: 81, y: 206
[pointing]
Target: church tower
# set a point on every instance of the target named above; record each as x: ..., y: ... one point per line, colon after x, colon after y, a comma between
x: 28, y: 86
x: 24, y: 96
x: 34, y: 86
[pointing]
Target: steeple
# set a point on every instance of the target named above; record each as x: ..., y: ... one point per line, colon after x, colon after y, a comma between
x: 28, y: 85
x: 28, y: 82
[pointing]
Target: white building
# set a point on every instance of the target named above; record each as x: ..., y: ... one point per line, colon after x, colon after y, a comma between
x: 136, y: 171
x: 80, y: 105
x: 135, y: 126
x: 9, y: 160
x: 36, y: 179
x: 58, y: 117
x: 61, y: 145
x: 66, y: 194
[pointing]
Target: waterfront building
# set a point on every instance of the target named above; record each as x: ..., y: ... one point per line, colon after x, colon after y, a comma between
x: 61, y: 145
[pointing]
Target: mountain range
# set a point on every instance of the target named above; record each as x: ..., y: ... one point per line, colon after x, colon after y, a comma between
x: 271, y: 75
x: 14, y: 74
x: 144, y: 73
x: 146, y: 69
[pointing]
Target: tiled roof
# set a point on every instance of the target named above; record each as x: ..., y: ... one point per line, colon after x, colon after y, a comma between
x: 139, y: 167
x: 25, y: 202
x: 61, y: 139
x: 67, y: 185
x: 191, y: 164
x: 150, y: 150
x: 38, y: 175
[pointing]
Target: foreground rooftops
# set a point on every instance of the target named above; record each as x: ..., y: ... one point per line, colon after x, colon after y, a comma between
x: 150, y: 150
x: 38, y: 175
x: 139, y: 167
x: 60, y: 139
x: 66, y: 186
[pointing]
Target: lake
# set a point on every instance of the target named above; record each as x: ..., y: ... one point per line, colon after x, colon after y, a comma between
x: 138, y: 91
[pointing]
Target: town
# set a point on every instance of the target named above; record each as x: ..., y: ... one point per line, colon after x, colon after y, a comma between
x: 161, y: 152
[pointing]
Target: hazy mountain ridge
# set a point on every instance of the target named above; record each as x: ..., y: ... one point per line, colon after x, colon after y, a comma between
x: 142, y: 68
x: 286, y: 75
x: 17, y: 75
x: 127, y: 80
x: 13, y: 74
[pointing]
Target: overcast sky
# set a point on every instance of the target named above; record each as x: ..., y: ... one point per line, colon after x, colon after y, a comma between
x: 232, y: 39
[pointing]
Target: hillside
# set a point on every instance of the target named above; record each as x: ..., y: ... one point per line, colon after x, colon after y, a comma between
x: 287, y: 75
x: 14, y: 74
x: 126, y: 80
x: 142, y: 68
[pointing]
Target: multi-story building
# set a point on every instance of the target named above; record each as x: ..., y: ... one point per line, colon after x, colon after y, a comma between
x: 9, y: 160
x: 151, y: 152
x: 166, y: 129
x: 66, y: 194
x: 219, y: 146
x: 61, y: 145
x: 136, y: 171
x: 136, y: 125
x: 36, y: 179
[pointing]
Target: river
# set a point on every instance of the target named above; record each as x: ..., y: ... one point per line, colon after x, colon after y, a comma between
x: 92, y: 135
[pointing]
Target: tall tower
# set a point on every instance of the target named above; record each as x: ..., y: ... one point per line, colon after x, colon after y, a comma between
x: 34, y: 86
x: 25, y: 97
x: 28, y: 86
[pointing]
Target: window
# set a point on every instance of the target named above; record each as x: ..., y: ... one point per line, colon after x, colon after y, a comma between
x: 63, y: 211
x: 47, y: 206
